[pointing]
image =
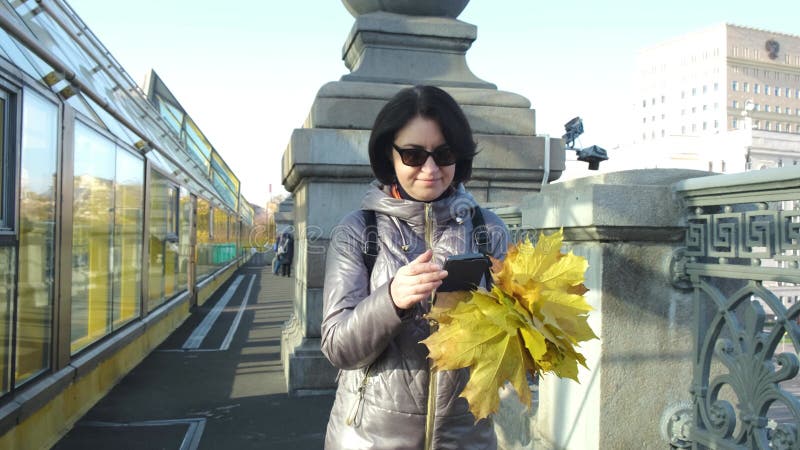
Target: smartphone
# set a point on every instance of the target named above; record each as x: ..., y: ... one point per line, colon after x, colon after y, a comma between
x: 464, y: 272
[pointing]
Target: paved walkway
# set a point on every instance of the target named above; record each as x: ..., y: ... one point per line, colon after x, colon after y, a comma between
x: 212, y: 386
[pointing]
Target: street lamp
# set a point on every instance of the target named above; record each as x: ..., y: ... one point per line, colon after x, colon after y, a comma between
x: 748, y: 131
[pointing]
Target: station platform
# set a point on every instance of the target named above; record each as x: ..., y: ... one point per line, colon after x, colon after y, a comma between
x: 216, y: 383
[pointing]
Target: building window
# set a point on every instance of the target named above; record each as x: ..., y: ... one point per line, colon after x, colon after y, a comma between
x: 767, y: 126
x: 756, y: 107
x: 756, y: 124
x: 38, y: 157
x: 716, y: 124
x: 653, y: 101
x: 767, y: 90
x: 694, y: 109
x: 734, y: 124
x: 705, y: 89
x: 756, y: 88
x: 767, y: 108
x: 8, y: 132
x: 683, y: 129
x: 8, y: 152
x: 778, y: 109
x: 694, y: 92
x: 777, y: 91
x: 705, y: 125
x: 694, y: 127
x: 716, y: 86
x: 705, y: 107
x: 106, y: 237
x: 746, y: 87
x: 662, y: 133
x: 735, y: 85
x: 644, y: 119
x: 162, y: 239
x: 644, y: 103
x: 735, y: 104
x: 683, y: 94
x: 663, y: 99
x: 663, y: 116
x: 788, y: 92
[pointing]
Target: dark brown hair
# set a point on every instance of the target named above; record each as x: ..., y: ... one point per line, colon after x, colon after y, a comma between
x: 429, y: 102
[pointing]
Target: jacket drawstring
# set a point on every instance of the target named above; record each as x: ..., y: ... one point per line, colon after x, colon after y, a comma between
x: 405, y: 245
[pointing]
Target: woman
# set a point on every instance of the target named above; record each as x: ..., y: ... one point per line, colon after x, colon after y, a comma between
x: 421, y: 151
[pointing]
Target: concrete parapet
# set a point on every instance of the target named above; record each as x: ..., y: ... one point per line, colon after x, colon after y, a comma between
x: 627, y: 225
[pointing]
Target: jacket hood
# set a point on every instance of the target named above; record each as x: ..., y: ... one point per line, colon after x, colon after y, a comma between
x: 457, y: 206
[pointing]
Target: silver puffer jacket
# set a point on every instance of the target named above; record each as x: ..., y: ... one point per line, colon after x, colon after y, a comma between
x: 382, y: 397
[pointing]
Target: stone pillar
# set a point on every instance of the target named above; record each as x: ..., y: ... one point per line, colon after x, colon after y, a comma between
x: 392, y: 45
x: 627, y: 225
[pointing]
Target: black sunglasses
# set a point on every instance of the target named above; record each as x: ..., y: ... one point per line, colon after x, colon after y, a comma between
x: 415, y: 157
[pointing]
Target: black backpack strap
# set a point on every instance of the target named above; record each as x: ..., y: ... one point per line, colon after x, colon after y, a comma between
x: 369, y: 251
x: 480, y: 234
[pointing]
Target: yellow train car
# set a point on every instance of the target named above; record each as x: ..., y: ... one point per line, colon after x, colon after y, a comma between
x: 117, y: 216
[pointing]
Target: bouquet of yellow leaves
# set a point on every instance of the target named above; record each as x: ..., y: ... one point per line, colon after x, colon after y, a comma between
x: 529, y: 322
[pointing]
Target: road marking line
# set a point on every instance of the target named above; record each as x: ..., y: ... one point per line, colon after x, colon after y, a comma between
x: 191, y: 440
x: 235, y: 325
x: 199, y: 333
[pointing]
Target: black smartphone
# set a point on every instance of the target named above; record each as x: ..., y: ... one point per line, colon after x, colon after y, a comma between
x: 464, y: 272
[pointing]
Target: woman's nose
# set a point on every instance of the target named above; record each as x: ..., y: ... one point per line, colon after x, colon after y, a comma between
x: 430, y: 165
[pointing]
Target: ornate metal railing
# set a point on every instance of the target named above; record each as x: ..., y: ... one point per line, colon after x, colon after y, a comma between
x: 741, y: 260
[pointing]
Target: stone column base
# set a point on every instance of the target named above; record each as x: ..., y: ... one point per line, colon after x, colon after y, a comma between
x: 307, y: 370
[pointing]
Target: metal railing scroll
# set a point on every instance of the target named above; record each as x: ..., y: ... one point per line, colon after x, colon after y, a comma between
x: 741, y: 260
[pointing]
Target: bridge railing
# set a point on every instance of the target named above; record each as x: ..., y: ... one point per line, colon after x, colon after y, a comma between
x: 741, y: 260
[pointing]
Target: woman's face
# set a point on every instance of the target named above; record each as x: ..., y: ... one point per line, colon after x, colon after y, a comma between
x: 428, y: 181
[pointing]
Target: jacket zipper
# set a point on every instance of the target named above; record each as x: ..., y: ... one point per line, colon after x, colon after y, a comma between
x: 357, y: 406
x: 433, y: 377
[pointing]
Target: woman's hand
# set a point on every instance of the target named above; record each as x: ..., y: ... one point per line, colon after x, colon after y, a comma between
x: 415, y: 281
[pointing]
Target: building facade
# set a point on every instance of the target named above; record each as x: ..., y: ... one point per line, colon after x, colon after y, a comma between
x: 698, y: 97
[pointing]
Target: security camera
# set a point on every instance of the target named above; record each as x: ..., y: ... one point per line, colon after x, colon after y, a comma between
x: 593, y: 155
x: 574, y: 128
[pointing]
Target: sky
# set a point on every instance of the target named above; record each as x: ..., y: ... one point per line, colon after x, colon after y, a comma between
x: 248, y: 71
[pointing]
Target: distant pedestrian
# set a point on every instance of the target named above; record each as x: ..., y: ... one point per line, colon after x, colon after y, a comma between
x: 287, y: 253
x: 276, y: 262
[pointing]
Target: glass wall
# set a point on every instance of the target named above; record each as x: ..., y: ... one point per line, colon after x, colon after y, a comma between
x: 6, y: 315
x: 92, y: 236
x: 223, y: 237
x: 36, y: 236
x: 163, y: 240
x: 7, y: 261
x: 185, y: 234
x: 106, y: 237
x: 204, y: 246
x: 128, y: 223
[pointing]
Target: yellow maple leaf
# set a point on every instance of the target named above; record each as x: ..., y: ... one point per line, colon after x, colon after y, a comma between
x: 529, y: 323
